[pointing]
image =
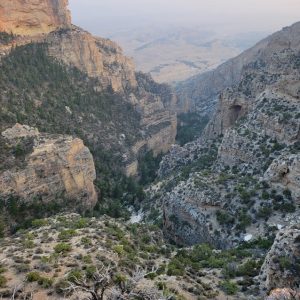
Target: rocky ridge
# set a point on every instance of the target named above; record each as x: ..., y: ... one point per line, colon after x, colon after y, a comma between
x: 201, y: 92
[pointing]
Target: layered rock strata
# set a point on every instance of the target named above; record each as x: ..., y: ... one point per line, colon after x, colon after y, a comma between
x: 55, y: 168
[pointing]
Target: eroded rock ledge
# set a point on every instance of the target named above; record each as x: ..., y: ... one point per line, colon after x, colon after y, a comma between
x: 53, y: 168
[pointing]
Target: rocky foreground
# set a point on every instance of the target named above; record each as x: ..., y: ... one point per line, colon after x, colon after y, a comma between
x: 70, y: 257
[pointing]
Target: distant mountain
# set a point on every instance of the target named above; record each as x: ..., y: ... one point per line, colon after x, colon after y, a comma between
x: 175, y: 54
x: 200, y: 92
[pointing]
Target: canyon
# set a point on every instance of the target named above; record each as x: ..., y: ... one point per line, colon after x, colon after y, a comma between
x: 81, y: 128
x: 100, y: 59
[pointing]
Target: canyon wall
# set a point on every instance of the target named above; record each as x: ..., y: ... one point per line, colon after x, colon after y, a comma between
x: 31, y: 17
x: 246, y: 163
x: 48, y: 22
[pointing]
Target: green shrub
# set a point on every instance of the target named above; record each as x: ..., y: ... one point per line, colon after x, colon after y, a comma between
x: 86, y: 241
x: 2, y: 269
x: 90, y: 271
x: 61, y: 286
x: 29, y: 244
x: 264, y: 212
x: 2, y: 228
x: 249, y: 268
x: 45, y: 282
x: 284, y: 263
x: 265, y: 195
x: 74, y: 275
x: 39, y: 223
x: 229, y: 270
x: 244, y: 221
x: 287, y: 193
x: 176, y: 268
x: 120, y: 278
x: 62, y: 248
x: 33, y: 277
x: 224, y: 218
x: 3, y: 281
x: 87, y: 259
x: 151, y: 275
x: 229, y: 287
x: 119, y: 249
x: 81, y: 223
x: 66, y: 235
x: 19, y: 150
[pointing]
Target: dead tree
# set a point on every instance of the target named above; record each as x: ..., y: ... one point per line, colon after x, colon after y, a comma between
x: 101, y: 281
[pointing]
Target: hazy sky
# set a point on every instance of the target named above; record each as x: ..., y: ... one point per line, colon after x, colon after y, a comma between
x: 105, y: 17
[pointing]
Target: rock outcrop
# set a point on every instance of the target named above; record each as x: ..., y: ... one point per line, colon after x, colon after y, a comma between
x: 31, y: 17
x: 184, y: 222
x: 285, y: 172
x: 55, y: 168
x: 97, y: 57
x: 282, y: 264
x: 283, y: 294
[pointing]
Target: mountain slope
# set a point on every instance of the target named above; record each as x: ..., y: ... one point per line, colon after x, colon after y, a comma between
x: 240, y: 180
x: 200, y: 93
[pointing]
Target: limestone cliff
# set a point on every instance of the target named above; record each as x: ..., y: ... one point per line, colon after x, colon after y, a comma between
x: 103, y: 59
x: 97, y: 57
x: 274, y: 64
x: 31, y: 17
x: 103, y: 62
x: 54, y: 168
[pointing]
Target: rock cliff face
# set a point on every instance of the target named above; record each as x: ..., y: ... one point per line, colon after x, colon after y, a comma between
x: 254, y: 174
x: 97, y: 57
x: 54, y: 168
x: 31, y: 17
x: 274, y: 65
x: 285, y: 172
x: 104, y: 60
x: 281, y: 267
